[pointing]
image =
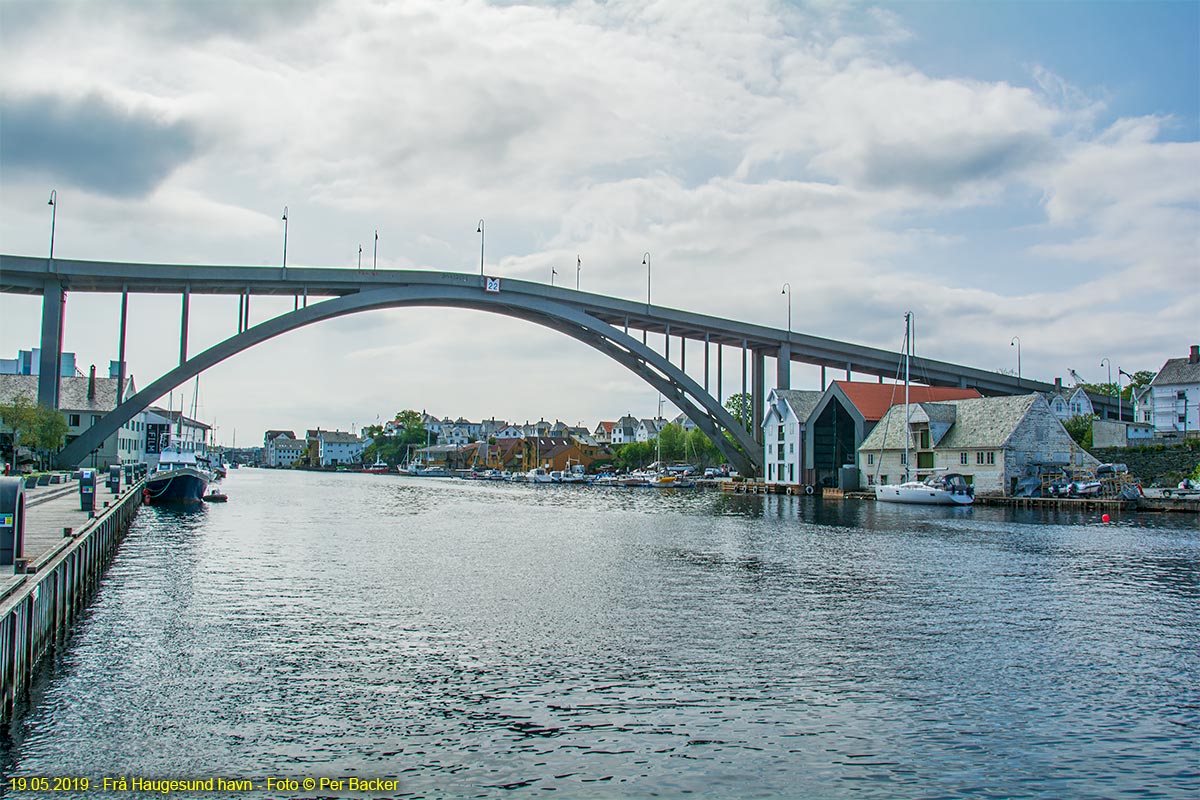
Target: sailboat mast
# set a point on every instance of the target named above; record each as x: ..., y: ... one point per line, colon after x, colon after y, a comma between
x: 907, y: 408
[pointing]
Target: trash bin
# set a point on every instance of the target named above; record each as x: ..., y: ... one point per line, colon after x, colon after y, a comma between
x: 12, y: 520
x: 114, y: 479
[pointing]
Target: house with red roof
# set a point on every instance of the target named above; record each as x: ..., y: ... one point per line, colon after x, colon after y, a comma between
x: 846, y: 415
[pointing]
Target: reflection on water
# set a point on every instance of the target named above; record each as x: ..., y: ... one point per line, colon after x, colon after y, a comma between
x: 472, y: 639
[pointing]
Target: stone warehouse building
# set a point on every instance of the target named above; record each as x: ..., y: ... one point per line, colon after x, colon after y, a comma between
x: 992, y: 441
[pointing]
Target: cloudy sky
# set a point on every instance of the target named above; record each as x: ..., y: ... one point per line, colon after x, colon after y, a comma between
x: 1001, y: 169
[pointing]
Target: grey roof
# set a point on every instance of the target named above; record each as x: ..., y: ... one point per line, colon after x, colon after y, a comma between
x: 72, y: 392
x: 984, y: 422
x: 801, y: 401
x: 339, y: 437
x: 1178, y: 370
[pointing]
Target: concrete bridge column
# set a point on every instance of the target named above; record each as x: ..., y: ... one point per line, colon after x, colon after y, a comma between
x: 121, y: 344
x: 758, y: 398
x: 54, y: 303
x: 783, y: 367
x: 183, y: 324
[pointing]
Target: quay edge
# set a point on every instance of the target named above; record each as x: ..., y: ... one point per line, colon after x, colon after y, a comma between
x: 39, y: 605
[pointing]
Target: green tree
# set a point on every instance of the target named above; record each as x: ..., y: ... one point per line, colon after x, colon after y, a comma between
x: 703, y: 452
x: 1137, y: 380
x: 37, y: 427
x: 741, y: 406
x: 1080, y: 428
x: 633, y: 455
x: 671, y: 442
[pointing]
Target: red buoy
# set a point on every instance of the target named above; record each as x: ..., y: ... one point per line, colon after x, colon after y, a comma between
x: 1105, y: 518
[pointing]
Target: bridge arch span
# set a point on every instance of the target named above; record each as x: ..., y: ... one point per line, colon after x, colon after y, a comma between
x: 703, y: 409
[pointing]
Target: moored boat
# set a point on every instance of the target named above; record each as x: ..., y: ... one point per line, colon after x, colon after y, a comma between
x: 950, y: 489
x: 179, y: 478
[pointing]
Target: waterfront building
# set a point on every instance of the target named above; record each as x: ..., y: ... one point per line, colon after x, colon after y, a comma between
x: 1067, y: 403
x: 26, y: 363
x: 625, y: 431
x: 288, y: 452
x: 339, y: 448
x: 784, y: 426
x: 647, y: 429
x: 269, y: 439
x: 509, y: 432
x: 1175, y: 395
x: 603, y: 432
x: 685, y: 422
x: 171, y: 428
x: 846, y: 414
x: 992, y: 441
x: 83, y: 401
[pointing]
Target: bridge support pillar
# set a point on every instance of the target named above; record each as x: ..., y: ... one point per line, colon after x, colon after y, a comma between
x: 759, y: 392
x: 183, y: 323
x: 783, y: 367
x: 121, y: 345
x: 54, y: 301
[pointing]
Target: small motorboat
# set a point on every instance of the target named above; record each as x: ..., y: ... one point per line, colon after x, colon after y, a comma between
x: 215, y: 497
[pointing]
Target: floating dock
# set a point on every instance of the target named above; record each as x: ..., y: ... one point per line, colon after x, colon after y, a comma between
x: 54, y: 572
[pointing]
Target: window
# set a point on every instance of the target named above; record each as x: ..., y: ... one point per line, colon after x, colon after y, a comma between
x: 73, y: 420
x: 781, y: 433
x: 95, y: 418
x: 870, y: 458
x: 883, y: 479
x: 770, y: 472
x: 962, y: 458
x: 904, y: 458
x: 791, y: 447
x: 1182, y: 418
x: 979, y: 457
x: 991, y: 458
x: 924, y: 440
x: 791, y: 473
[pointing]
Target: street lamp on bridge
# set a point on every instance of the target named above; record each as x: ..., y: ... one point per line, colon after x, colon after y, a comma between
x: 787, y: 289
x: 646, y: 264
x: 53, y: 213
x: 479, y: 230
x: 1107, y: 361
x: 1017, y: 341
x: 285, y: 226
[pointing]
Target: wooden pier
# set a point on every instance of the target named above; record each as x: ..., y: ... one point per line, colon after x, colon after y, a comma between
x: 65, y: 551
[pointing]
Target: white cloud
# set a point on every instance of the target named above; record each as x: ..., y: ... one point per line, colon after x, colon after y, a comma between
x: 742, y: 144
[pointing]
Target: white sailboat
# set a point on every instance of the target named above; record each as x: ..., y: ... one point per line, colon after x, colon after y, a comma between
x: 949, y: 489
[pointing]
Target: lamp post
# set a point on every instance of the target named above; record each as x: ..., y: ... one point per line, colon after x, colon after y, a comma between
x: 646, y: 264
x: 1016, y: 340
x: 1105, y: 361
x: 360, y: 258
x: 53, y: 214
x: 375, y: 255
x: 578, y: 266
x: 1120, y: 372
x: 479, y: 230
x: 787, y: 289
x: 285, y: 226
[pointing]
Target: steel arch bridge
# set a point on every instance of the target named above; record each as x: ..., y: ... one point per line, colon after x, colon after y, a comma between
x: 603, y: 323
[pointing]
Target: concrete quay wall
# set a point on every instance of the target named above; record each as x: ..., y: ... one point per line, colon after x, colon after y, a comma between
x: 53, y: 580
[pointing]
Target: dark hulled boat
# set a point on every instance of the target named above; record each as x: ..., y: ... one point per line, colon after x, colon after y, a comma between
x: 179, y: 478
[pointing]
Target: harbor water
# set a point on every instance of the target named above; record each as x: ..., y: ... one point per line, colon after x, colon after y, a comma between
x: 470, y: 639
